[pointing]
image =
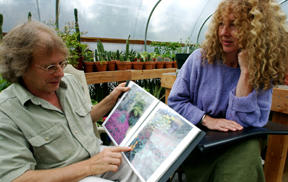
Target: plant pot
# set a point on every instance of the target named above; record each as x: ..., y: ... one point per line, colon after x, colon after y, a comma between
x: 121, y: 65
x: 160, y: 65
x: 168, y: 64
x: 174, y: 65
x: 88, y: 66
x: 80, y: 61
x: 112, y: 65
x: 128, y: 65
x: 148, y: 65
x: 101, y: 66
x: 137, y: 65
x: 153, y: 64
x: 180, y: 59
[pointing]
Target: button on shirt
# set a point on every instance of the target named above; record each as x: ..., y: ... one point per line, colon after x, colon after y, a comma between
x: 35, y: 134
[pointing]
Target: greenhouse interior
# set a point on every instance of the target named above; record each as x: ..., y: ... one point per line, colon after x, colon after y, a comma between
x: 236, y: 94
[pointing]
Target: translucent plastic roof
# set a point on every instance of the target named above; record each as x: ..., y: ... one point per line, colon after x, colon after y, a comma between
x: 172, y: 20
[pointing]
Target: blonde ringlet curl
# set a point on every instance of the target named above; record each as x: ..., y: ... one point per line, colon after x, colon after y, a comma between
x: 262, y: 31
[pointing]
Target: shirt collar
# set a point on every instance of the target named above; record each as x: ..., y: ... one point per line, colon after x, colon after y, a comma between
x: 24, y: 95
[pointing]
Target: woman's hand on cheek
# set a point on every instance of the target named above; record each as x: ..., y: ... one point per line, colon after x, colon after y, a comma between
x: 243, y: 60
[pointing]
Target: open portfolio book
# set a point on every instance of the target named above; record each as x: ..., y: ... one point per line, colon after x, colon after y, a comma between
x: 160, y: 138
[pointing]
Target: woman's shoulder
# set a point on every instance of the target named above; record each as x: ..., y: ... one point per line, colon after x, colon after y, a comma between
x: 195, y: 58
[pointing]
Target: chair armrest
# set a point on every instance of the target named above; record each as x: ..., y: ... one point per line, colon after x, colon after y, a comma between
x: 217, y: 139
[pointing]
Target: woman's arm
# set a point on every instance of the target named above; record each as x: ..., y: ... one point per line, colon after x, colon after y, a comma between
x: 246, y: 106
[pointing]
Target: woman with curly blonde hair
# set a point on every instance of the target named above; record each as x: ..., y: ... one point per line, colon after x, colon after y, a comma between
x: 227, y: 85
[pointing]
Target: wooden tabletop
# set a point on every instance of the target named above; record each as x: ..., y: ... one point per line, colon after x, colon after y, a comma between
x: 114, y: 76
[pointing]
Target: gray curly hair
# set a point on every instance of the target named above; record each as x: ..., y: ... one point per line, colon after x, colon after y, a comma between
x: 19, y: 45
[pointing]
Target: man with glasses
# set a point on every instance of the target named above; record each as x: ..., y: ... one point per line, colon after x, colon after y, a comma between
x: 46, y: 124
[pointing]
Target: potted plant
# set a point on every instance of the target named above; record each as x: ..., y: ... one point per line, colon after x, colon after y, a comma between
x: 168, y: 62
x: 124, y: 62
x: 121, y: 64
x: 148, y: 64
x: 88, y: 60
x: 138, y: 62
x: 101, y: 63
x: 159, y: 62
x: 127, y: 55
x: 111, y: 58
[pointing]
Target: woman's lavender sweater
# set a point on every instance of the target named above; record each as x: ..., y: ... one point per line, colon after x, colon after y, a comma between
x: 210, y: 88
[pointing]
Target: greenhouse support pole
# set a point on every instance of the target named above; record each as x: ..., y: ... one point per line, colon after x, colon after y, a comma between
x: 146, y: 29
x: 57, y: 14
x: 198, y: 36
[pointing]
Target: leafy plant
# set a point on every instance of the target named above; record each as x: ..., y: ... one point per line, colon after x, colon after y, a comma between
x: 70, y: 37
x: 29, y: 16
x: 3, y: 83
x: 166, y: 49
x: 101, y: 51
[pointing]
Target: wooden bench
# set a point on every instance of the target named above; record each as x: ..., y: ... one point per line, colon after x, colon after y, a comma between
x: 277, y: 146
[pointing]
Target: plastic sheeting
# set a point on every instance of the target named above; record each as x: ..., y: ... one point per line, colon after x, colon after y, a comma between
x: 172, y: 20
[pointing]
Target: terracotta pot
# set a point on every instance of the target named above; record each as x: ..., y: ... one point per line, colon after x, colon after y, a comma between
x: 148, y: 65
x: 160, y: 65
x: 112, y: 65
x: 128, y: 65
x: 88, y: 66
x: 174, y: 65
x: 81, y: 63
x: 137, y: 65
x: 121, y: 65
x: 153, y: 64
x: 101, y: 66
x: 168, y: 64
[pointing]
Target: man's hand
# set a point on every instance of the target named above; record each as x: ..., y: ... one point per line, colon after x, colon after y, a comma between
x: 119, y: 90
x: 221, y: 124
x: 103, y: 107
x: 109, y: 159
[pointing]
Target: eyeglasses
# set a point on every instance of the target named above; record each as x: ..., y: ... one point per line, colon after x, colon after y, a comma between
x: 52, y: 68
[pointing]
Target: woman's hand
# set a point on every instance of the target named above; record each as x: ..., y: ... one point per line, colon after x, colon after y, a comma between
x: 109, y: 159
x: 221, y: 124
x: 243, y: 60
x: 244, y: 88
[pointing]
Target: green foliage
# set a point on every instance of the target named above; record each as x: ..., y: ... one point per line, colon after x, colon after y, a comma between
x: 70, y: 37
x: 77, y: 29
x: 118, y: 54
x: 145, y: 56
x: 94, y: 102
x: 3, y: 83
x: 153, y: 86
x: 101, y: 51
x: 166, y: 49
x: 127, y: 49
x: 170, y: 49
x: 138, y: 107
x: 29, y: 16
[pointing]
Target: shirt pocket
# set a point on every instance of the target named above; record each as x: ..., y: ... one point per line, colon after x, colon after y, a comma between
x: 90, y: 133
x: 83, y: 115
x: 53, y: 146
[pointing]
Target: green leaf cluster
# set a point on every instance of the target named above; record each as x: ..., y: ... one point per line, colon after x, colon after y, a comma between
x: 3, y: 83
